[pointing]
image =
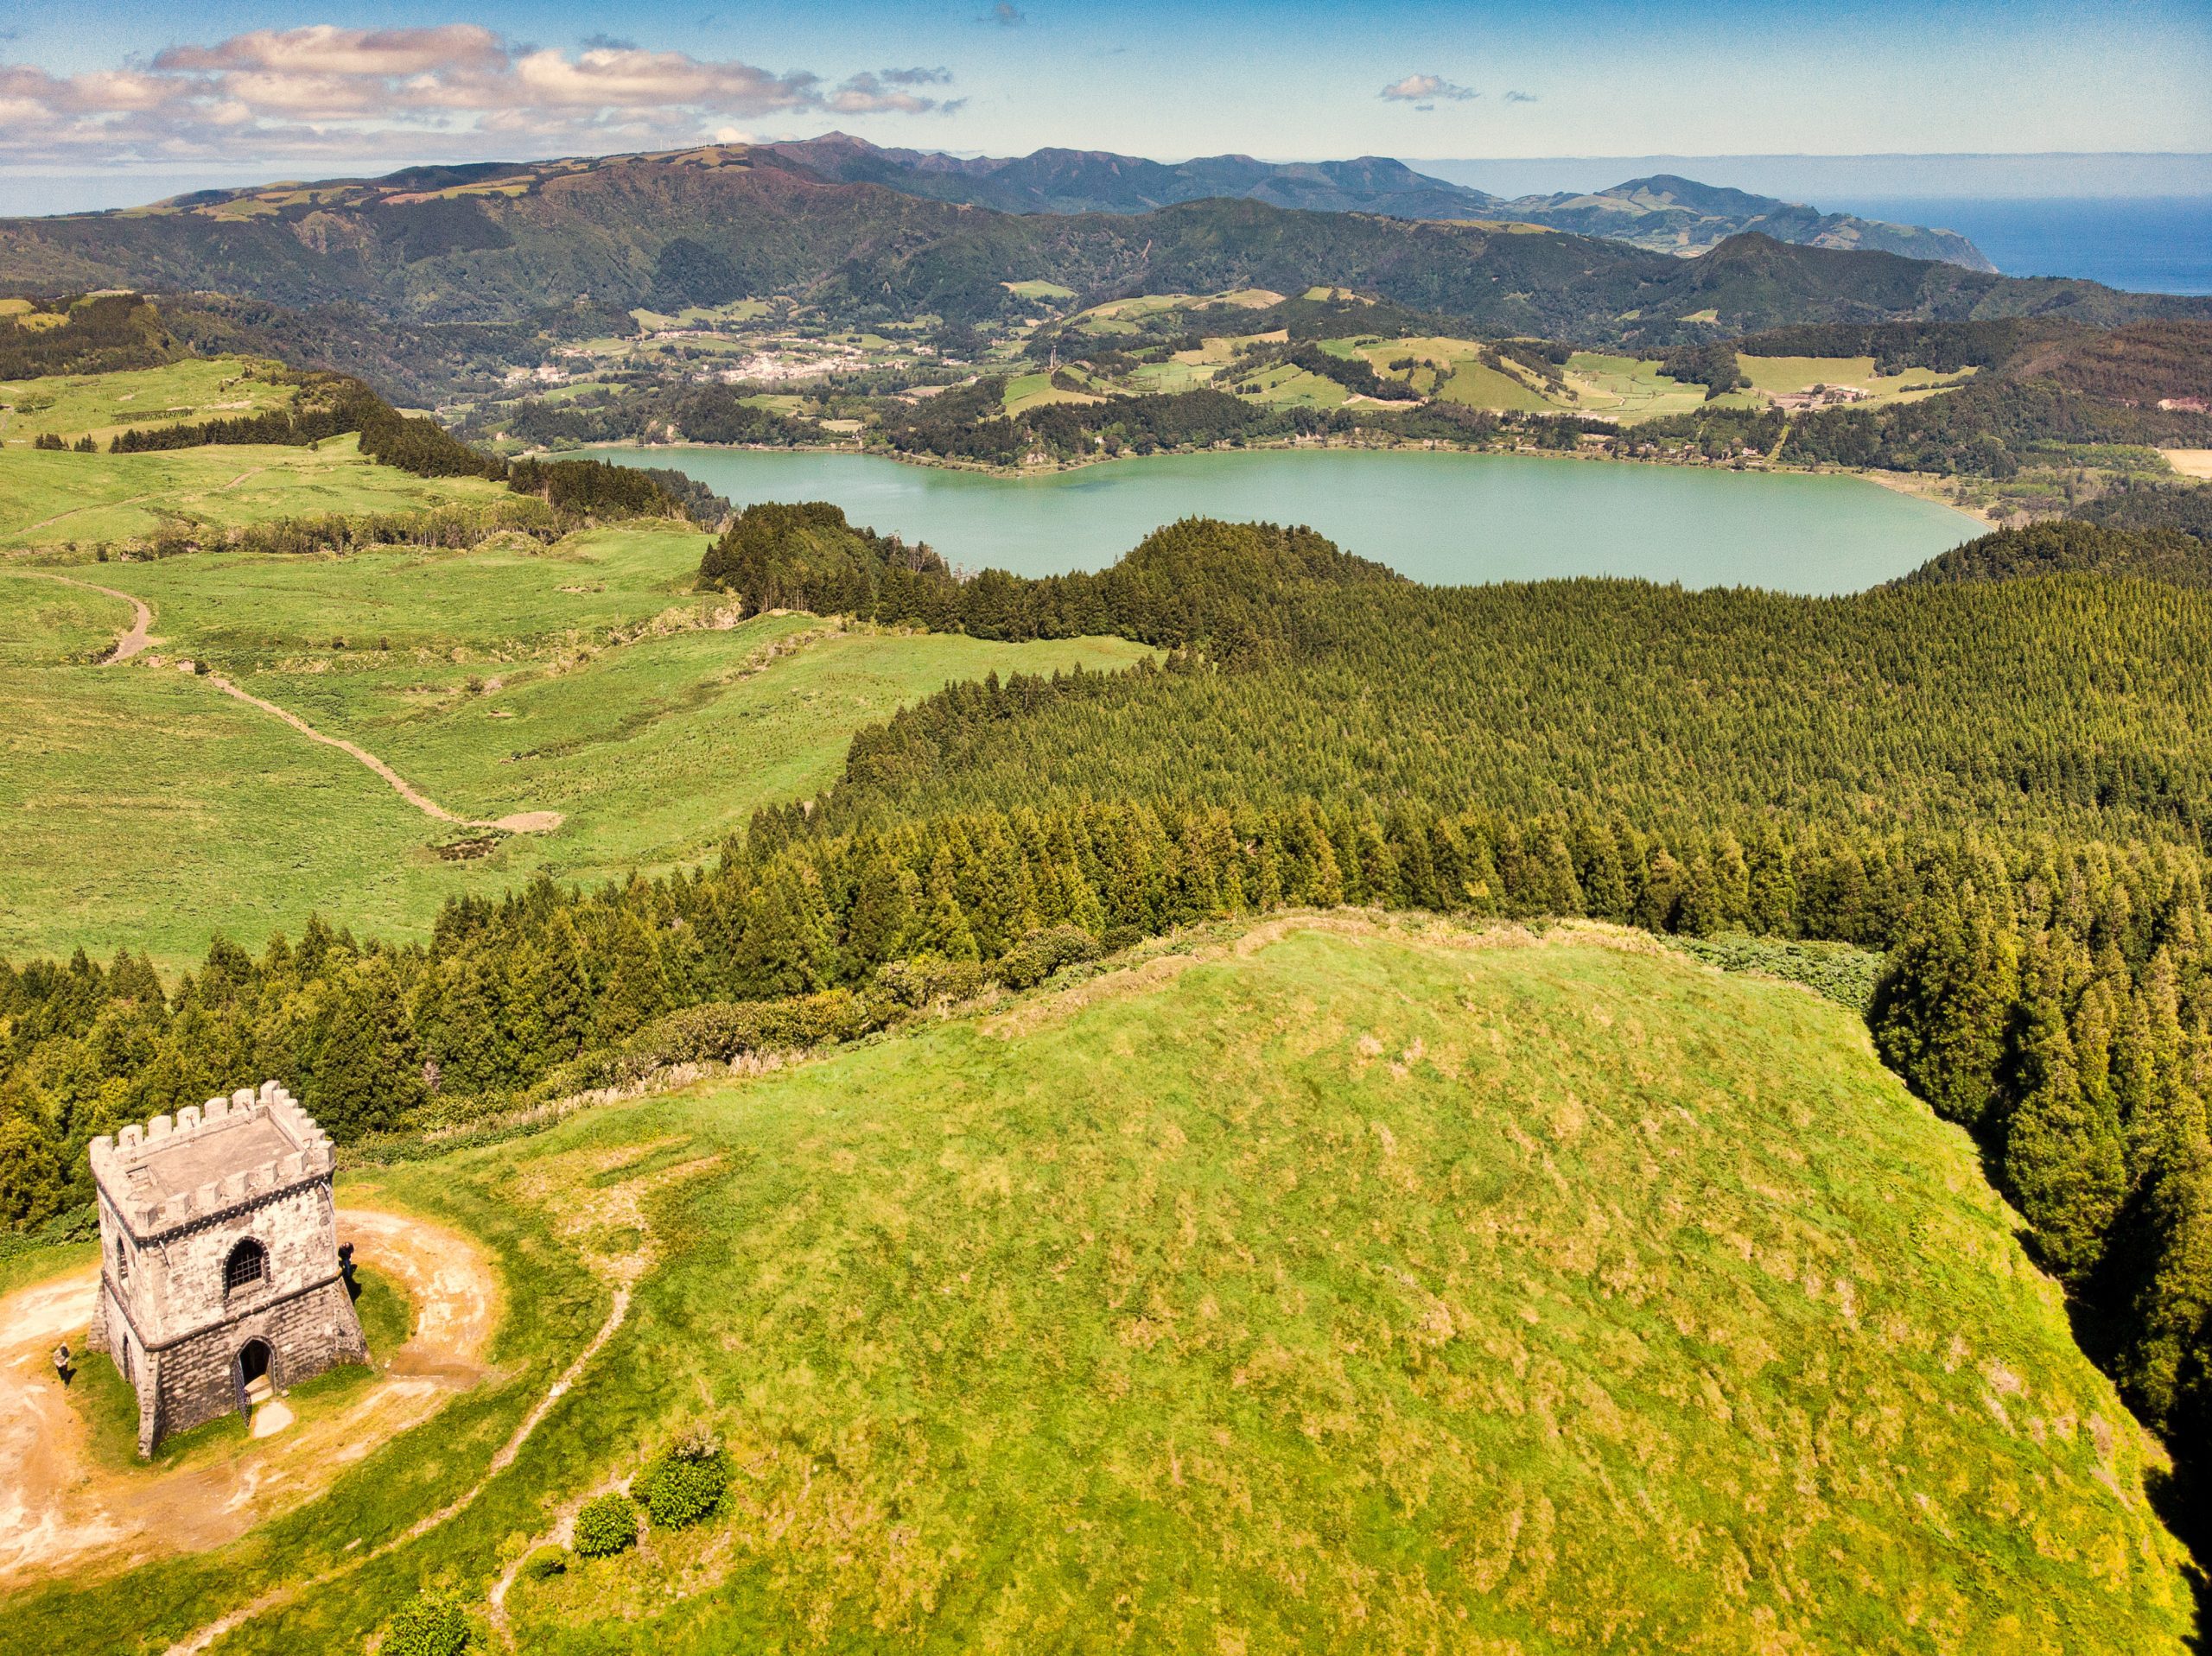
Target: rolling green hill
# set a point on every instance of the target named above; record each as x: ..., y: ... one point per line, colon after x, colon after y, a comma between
x: 1319, y: 1286
x: 501, y: 244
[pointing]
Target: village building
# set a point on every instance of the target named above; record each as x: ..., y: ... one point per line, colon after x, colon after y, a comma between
x: 220, y: 1279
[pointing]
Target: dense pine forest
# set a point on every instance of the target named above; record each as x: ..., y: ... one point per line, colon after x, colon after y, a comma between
x: 1999, y: 780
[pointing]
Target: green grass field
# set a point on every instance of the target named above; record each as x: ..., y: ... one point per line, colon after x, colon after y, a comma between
x: 1629, y: 388
x: 1322, y: 1287
x: 49, y: 499
x: 1771, y: 376
x: 1036, y: 390
x: 73, y: 405
x: 146, y: 808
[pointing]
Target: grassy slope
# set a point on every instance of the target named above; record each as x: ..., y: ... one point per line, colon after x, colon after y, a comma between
x: 149, y: 810
x: 74, y: 405
x: 47, y: 499
x: 1350, y: 1291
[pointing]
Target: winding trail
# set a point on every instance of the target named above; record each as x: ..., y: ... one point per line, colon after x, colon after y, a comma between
x: 580, y: 1219
x: 135, y: 641
x: 142, y: 612
x: 200, y: 1639
x: 521, y: 822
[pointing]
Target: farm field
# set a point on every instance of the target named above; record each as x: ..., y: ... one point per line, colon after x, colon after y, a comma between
x: 1448, y: 1274
x: 152, y: 808
x: 1628, y: 389
x: 1775, y: 376
x: 1469, y: 381
x: 50, y: 499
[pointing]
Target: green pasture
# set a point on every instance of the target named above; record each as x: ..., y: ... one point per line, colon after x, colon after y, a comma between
x: 1322, y: 1286
x: 1463, y: 378
x: 146, y: 808
x: 1285, y: 385
x: 75, y: 405
x: 1036, y: 391
x: 49, y: 499
x: 1629, y: 388
x: 1773, y: 376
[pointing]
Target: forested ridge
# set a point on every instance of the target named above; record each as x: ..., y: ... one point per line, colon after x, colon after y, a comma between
x: 2004, y: 785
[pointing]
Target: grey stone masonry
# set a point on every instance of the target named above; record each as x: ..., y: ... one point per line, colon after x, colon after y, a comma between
x: 218, y: 1258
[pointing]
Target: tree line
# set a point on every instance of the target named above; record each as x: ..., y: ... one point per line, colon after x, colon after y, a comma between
x: 329, y: 405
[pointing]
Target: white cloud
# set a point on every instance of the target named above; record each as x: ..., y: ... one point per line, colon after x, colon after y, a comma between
x: 455, y: 90
x: 1425, y: 90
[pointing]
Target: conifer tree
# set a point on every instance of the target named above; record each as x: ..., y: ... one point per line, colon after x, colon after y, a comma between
x: 1939, y: 1012
x: 2166, y: 1367
x: 2063, y: 1156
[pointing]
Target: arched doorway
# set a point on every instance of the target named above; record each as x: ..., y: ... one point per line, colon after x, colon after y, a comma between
x: 249, y: 1369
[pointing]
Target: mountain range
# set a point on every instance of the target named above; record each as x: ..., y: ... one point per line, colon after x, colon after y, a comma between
x: 1664, y: 214
x: 506, y: 244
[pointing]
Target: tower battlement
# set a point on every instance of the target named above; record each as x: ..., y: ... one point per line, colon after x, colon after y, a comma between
x: 209, y: 1159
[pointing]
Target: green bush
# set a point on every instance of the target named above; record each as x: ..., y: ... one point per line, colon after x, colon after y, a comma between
x: 685, y: 1482
x: 432, y: 1625
x: 605, y: 1525
x: 1041, y: 953
x: 545, y: 1563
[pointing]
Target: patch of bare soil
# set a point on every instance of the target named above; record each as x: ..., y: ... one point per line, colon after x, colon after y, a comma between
x: 60, y: 1511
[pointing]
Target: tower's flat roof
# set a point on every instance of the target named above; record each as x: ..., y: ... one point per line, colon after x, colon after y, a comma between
x: 167, y: 1167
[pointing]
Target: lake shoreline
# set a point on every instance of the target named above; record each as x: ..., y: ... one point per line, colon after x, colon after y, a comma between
x: 1927, y: 486
x: 1437, y: 513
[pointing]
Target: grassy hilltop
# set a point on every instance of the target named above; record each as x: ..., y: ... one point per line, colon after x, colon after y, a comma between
x: 1319, y: 1286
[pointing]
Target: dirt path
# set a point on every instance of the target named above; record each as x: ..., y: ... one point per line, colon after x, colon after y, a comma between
x: 613, y: 1210
x: 133, y: 500
x: 142, y: 612
x: 521, y: 822
x: 64, y: 1511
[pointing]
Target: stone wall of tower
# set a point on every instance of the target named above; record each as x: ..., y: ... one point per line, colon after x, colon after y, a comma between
x: 196, y: 1380
x: 165, y: 1312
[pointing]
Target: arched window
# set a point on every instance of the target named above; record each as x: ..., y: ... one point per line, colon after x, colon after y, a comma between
x: 122, y: 1262
x: 248, y: 1264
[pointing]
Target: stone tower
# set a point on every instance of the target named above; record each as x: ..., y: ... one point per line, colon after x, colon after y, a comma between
x: 219, y: 1273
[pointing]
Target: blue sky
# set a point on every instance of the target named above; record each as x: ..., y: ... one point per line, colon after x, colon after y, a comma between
x: 286, y: 88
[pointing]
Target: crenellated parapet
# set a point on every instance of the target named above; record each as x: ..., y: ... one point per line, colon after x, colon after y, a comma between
x: 209, y: 1159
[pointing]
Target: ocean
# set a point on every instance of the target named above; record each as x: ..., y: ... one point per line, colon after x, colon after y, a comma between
x: 2142, y: 244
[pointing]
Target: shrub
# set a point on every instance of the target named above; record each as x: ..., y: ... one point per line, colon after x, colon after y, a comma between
x: 432, y: 1625
x: 605, y: 1524
x: 685, y: 1482
x: 545, y: 1563
x: 1041, y: 953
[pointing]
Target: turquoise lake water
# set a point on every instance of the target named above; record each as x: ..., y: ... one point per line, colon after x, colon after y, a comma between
x: 1447, y: 519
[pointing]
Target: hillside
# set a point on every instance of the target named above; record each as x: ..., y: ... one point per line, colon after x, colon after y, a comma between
x: 1679, y: 215
x: 2071, y: 548
x: 1548, y: 1296
x: 501, y: 245
x: 575, y: 681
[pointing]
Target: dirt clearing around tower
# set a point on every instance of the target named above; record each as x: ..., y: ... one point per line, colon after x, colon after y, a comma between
x: 65, y: 1505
